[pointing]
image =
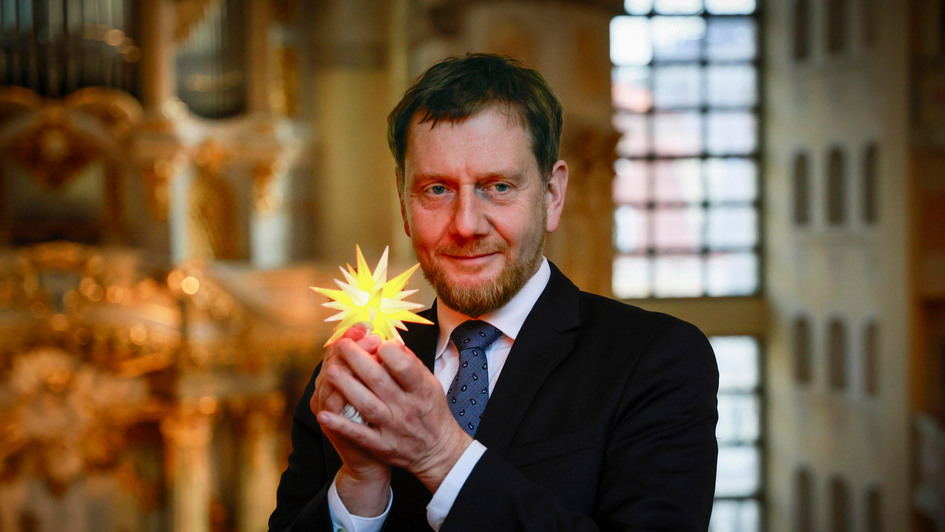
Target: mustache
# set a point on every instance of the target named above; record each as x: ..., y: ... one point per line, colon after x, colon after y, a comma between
x: 473, y: 247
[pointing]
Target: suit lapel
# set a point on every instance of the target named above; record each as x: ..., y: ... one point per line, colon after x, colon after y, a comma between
x: 546, y: 338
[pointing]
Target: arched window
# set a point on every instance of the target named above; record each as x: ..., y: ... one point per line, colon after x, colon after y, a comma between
x: 836, y: 188
x: 802, y: 354
x: 869, y: 192
x: 801, y: 190
x: 687, y: 108
x: 836, y: 25
x: 871, y: 359
x: 839, y: 505
x: 803, y: 501
x: 836, y: 355
x: 801, y: 30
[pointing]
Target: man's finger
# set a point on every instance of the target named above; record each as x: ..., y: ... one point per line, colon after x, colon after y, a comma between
x: 373, y: 374
x: 358, y: 395
x: 403, y: 365
x: 370, y: 343
x: 358, y: 433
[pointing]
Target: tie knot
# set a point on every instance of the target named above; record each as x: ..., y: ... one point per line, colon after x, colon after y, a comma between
x: 474, y: 334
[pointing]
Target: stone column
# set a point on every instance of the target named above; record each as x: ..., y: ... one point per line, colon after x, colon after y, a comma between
x: 157, y: 53
x: 257, y: 56
x: 260, y: 472
x: 353, y: 171
x: 186, y: 438
x: 156, y: 143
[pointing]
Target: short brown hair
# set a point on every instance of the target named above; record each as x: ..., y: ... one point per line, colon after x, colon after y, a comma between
x: 457, y: 88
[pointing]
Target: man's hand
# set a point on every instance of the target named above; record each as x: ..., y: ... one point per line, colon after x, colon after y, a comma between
x: 363, y: 482
x: 409, y: 424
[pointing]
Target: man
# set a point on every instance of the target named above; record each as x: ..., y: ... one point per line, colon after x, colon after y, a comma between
x: 568, y: 411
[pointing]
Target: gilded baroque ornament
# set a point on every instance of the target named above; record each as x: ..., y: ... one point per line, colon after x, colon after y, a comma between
x: 265, y: 199
x: 212, y: 212
x: 60, y: 138
x: 64, y: 415
x: 158, y: 175
x: 52, y: 150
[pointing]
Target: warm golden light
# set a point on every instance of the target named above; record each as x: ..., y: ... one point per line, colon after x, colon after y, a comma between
x: 190, y: 285
x: 115, y: 294
x: 207, y: 405
x: 369, y: 298
x: 59, y: 322
x: 138, y: 334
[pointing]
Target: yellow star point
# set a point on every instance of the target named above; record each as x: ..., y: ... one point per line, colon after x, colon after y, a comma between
x: 368, y: 297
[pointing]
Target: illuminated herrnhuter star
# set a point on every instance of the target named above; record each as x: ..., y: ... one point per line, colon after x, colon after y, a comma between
x: 371, y: 299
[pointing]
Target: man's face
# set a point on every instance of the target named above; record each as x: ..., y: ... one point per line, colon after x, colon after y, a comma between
x: 476, y: 209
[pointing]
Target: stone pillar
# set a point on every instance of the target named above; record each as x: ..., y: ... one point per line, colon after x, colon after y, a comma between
x: 156, y: 143
x: 260, y: 472
x: 353, y: 171
x: 157, y: 53
x: 186, y: 438
x: 257, y: 55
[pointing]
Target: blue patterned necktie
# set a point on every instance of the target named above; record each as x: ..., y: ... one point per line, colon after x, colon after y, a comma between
x: 469, y: 391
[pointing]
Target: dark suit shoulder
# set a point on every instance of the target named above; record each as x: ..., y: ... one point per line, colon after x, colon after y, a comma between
x: 623, y: 318
x: 649, y: 338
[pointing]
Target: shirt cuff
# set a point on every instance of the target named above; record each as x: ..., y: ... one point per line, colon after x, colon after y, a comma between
x: 446, y: 494
x: 344, y: 521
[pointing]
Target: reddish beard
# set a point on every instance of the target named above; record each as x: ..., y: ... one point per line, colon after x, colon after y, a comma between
x: 492, y: 294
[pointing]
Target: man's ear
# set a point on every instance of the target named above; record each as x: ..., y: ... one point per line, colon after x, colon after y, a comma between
x: 555, y: 190
x: 403, y: 206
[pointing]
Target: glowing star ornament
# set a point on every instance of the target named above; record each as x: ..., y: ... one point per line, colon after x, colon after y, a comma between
x: 371, y: 299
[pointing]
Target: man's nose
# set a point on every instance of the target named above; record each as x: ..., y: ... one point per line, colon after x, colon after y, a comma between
x: 468, y: 217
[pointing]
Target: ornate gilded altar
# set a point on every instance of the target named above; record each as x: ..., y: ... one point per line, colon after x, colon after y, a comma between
x: 146, y: 356
x: 132, y: 393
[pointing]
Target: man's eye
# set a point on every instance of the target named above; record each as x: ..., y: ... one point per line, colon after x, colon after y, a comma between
x: 501, y: 187
x: 437, y: 190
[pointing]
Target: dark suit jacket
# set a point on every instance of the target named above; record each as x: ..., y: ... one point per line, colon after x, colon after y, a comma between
x: 603, y: 419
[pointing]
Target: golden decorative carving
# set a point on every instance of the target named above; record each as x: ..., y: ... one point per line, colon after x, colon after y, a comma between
x: 188, y: 427
x: 66, y: 415
x: 205, y: 297
x: 284, y: 97
x: 265, y: 200
x: 118, y: 112
x: 158, y: 175
x: 212, y: 213
x: 52, y: 150
x: 17, y: 101
x: 56, y: 141
x: 62, y: 288
x: 93, y: 379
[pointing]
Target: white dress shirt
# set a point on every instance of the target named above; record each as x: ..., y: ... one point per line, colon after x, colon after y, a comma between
x: 508, y: 319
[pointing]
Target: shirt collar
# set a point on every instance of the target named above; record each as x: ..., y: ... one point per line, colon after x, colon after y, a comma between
x: 508, y: 319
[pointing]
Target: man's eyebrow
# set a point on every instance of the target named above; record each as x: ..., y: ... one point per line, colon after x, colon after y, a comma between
x: 515, y: 175
x: 432, y: 176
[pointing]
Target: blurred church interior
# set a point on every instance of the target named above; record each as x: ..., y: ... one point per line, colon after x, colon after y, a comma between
x: 175, y: 174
